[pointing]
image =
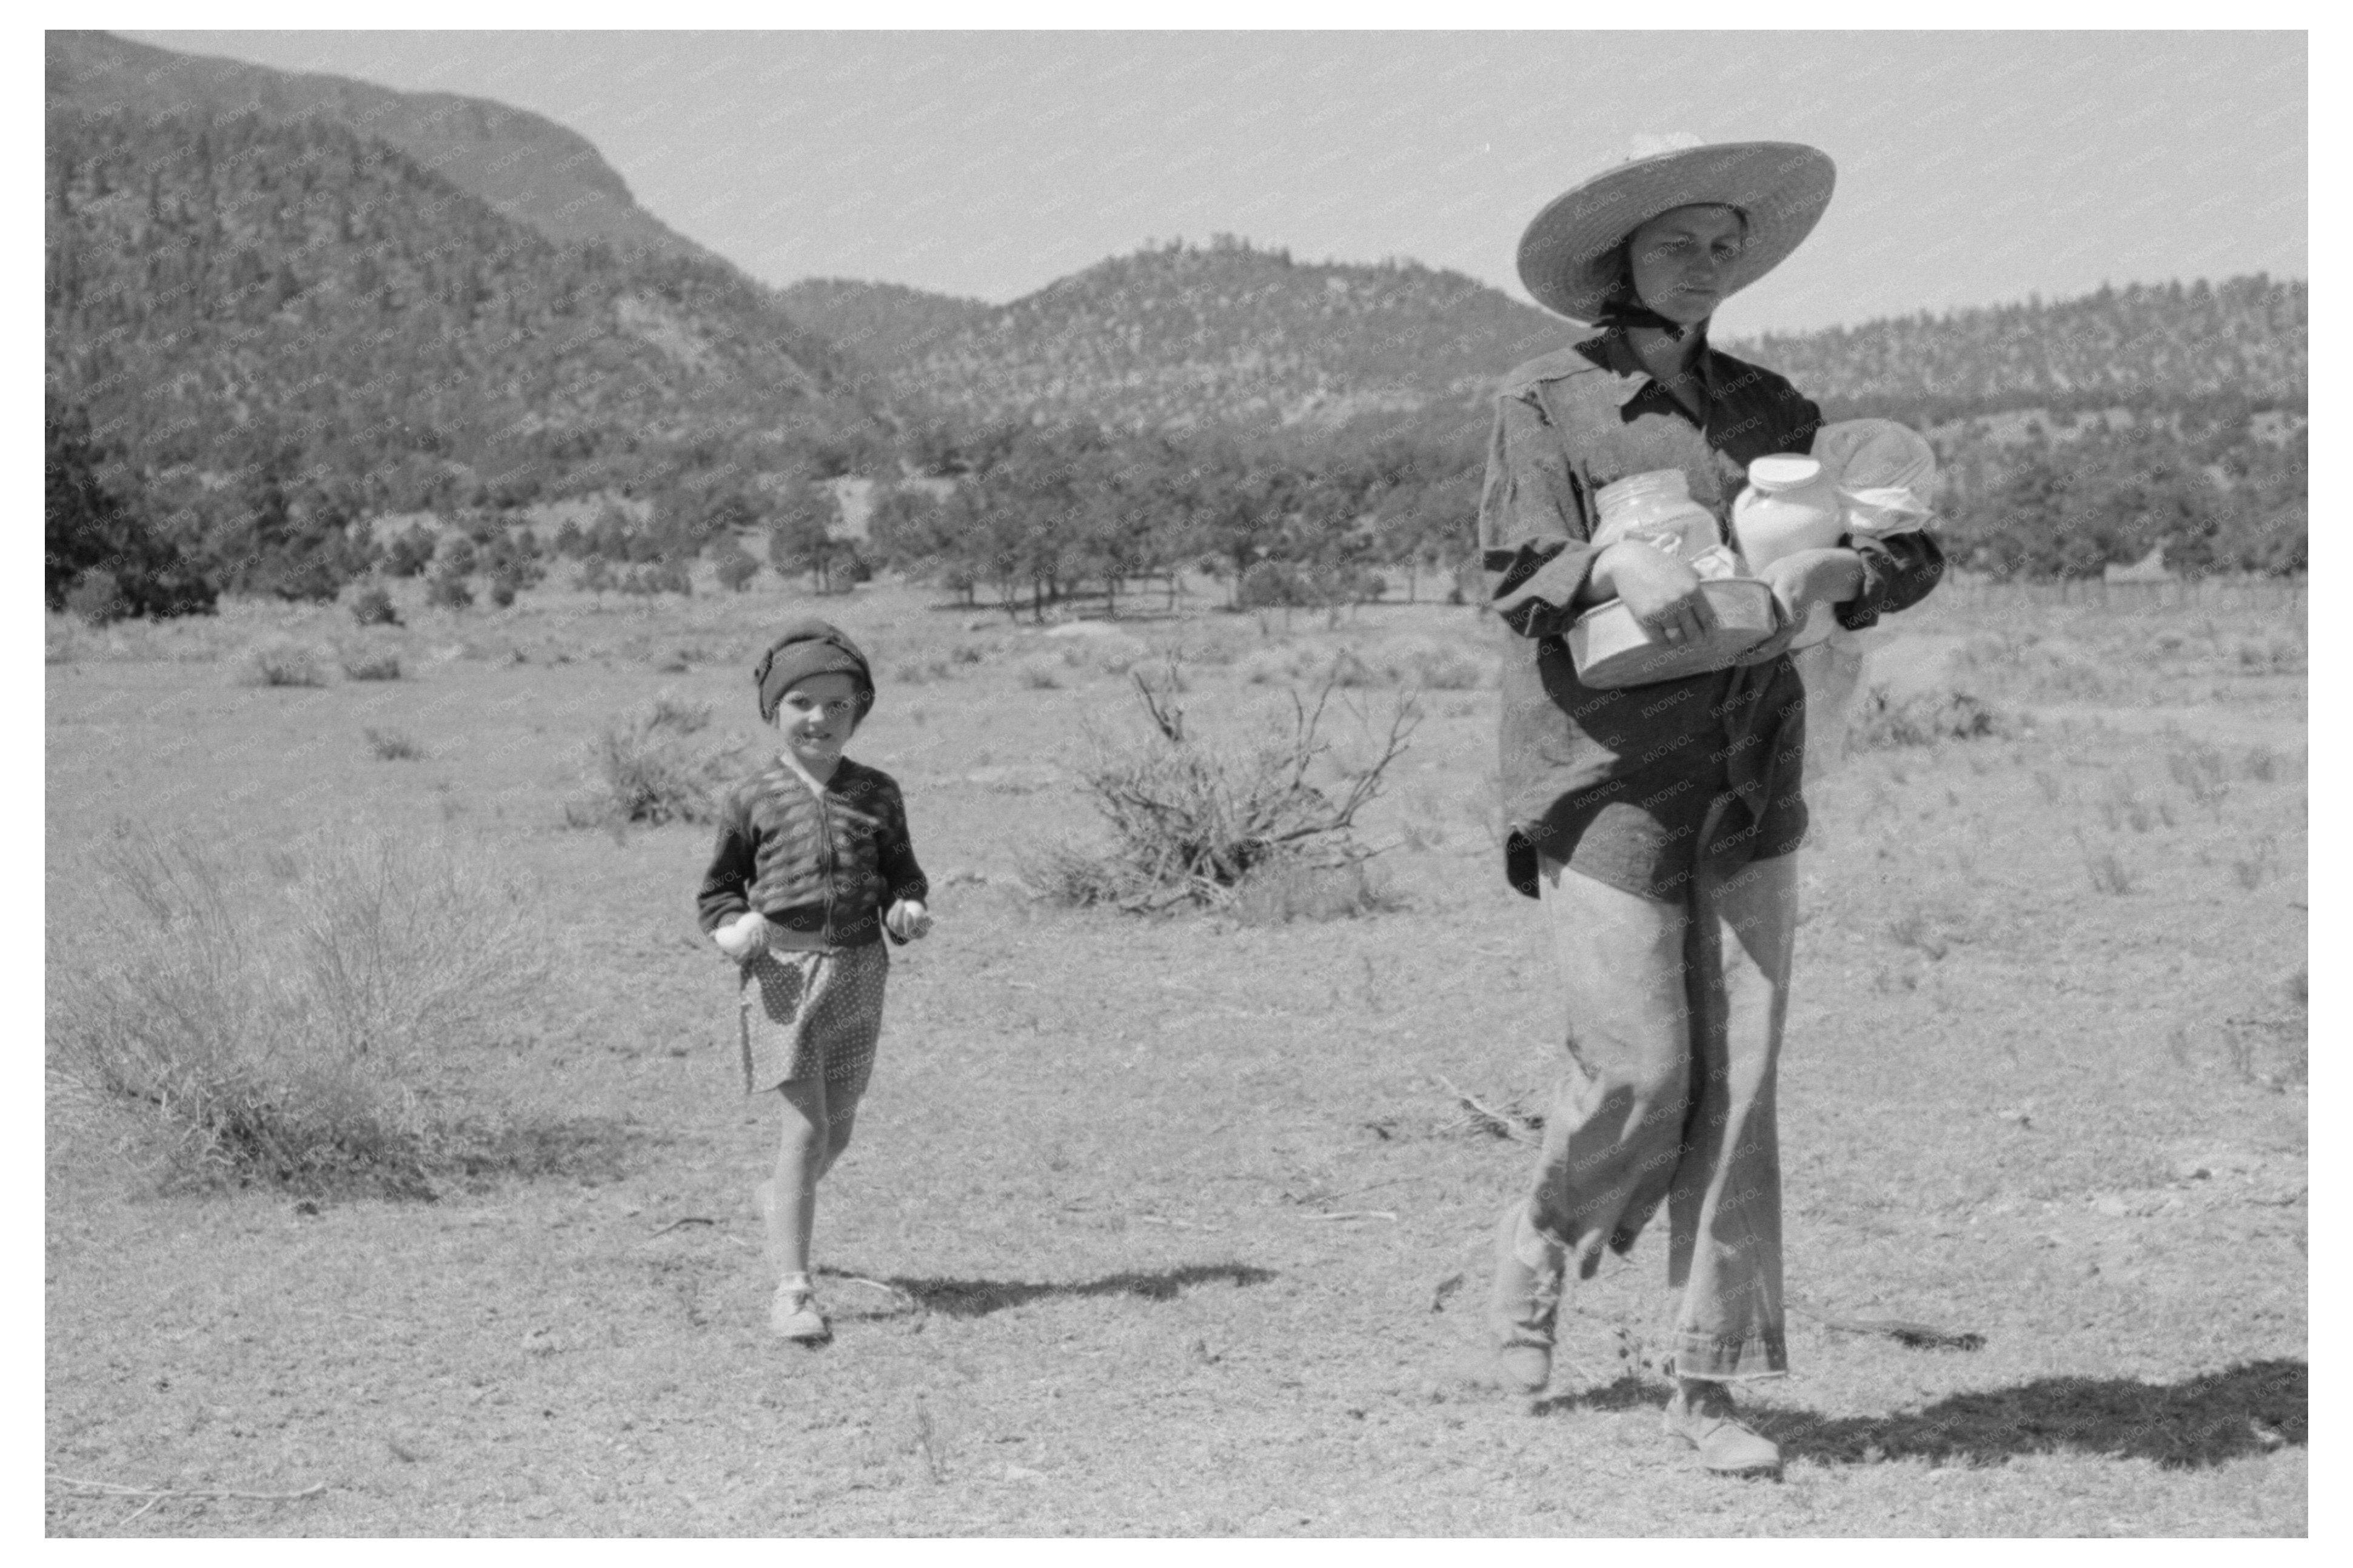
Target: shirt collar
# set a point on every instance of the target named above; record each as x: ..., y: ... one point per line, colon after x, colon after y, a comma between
x: 1614, y: 353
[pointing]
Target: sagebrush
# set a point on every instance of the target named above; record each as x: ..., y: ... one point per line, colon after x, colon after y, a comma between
x: 306, y: 1021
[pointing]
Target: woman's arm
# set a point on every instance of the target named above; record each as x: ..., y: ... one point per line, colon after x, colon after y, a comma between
x: 1897, y: 573
x: 1532, y: 531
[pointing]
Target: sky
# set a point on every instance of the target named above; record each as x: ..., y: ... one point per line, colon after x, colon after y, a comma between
x: 1974, y: 168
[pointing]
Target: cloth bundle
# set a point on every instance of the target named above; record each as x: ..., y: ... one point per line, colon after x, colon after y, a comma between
x: 1884, y: 473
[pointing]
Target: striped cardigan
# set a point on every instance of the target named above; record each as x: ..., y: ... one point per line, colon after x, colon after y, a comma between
x: 823, y: 865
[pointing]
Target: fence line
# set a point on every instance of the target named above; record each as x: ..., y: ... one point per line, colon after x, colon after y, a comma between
x: 2214, y: 593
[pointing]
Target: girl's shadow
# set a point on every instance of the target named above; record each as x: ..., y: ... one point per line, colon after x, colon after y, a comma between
x: 979, y: 1298
x: 2254, y: 1408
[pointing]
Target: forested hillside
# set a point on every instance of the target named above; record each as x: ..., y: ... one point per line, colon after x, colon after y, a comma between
x: 2147, y: 345
x: 525, y: 165
x: 1176, y: 338
x: 223, y: 294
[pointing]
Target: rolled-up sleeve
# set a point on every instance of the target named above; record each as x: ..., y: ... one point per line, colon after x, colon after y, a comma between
x: 1532, y: 529
x: 1897, y: 573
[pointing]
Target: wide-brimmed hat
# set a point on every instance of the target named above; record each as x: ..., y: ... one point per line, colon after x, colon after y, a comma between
x: 1570, y: 256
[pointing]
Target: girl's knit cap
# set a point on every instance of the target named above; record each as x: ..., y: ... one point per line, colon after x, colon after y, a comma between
x: 810, y: 647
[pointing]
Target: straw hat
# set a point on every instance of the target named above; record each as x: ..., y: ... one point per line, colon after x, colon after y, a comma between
x: 1569, y: 257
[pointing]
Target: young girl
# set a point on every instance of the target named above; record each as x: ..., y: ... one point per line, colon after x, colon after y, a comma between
x: 812, y: 870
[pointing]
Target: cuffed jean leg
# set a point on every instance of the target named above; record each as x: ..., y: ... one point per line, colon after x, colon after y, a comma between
x: 1723, y: 1209
x: 1613, y: 1132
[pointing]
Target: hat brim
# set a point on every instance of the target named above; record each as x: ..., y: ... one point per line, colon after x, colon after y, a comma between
x: 1568, y: 257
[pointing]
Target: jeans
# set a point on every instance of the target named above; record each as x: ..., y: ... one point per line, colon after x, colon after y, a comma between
x: 1674, y: 1028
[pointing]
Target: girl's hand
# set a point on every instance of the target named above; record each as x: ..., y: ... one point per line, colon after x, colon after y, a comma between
x: 908, y: 919
x: 1663, y: 593
x: 744, y: 937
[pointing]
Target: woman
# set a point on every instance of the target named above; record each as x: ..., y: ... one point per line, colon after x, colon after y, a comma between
x: 1656, y: 823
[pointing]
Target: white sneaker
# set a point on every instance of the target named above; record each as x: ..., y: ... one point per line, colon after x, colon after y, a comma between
x: 793, y: 1315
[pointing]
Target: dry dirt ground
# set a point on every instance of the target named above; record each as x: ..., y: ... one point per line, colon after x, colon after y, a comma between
x: 1176, y: 1226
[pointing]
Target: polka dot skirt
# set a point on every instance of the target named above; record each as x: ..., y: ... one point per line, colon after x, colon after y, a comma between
x: 808, y: 1015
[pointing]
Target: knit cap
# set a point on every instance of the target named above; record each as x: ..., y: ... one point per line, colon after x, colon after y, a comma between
x: 810, y: 647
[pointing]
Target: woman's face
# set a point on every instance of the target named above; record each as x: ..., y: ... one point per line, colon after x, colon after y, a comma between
x: 1679, y: 260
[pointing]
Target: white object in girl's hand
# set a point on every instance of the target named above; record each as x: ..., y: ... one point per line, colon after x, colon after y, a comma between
x: 743, y: 936
x: 908, y: 919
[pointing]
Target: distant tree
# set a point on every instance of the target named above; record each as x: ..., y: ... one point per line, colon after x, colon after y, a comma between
x: 736, y: 567
x: 801, y: 539
x: 410, y: 551
x: 90, y: 529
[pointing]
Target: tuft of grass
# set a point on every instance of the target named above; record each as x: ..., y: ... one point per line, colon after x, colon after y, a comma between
x: 1040, y: 677
x: 381, y: 665
x: 2203, y: 771
x: 643, y: 769
x: 677, y: 715
x: 281, y: 661
x: 308, y: 1026
x: 1916, y: 931
x: 2107, y: 872
x: 394, y: 745
x: 1278, y: 891
x: 2259, y: 865
x: 1882, y: 722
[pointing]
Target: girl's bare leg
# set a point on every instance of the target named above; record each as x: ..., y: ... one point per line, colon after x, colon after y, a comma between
x: 816, y: 1123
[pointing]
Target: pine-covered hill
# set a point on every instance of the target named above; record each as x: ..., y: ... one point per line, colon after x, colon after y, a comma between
x: 880, y: 323
x: 1175, y: 339
x: 226, y: 292
x: 526, y: 166
x: 2242, y: 340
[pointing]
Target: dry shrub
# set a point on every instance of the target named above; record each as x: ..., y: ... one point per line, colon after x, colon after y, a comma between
x: 1191, y: 823
x: 308, y: 1023
x: 644, y: 769
x: 1882, y: 721
x: 281, y: 661
x: 394, y: 745
x: 1278, y: 891
x: 380, y: 664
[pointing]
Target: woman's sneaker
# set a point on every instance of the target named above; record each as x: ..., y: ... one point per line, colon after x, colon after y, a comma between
x: 793, y: 1315
x: 1521, y: 1307
x: 1701, y: 1415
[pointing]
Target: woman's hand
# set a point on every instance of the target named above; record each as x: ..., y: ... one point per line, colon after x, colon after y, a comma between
x: 742, y: 938
x: 907, y: 919
x: 1801, y: 581
x: 1663, y: 593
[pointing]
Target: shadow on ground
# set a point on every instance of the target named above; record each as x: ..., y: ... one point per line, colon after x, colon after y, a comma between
x: 978, y: 1297
x: 2247, y: 1410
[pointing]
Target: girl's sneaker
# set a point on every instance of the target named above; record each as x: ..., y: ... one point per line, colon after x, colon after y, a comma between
x: 793, y: 1315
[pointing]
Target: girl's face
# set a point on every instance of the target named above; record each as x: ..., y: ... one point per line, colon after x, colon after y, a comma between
x: 815, y: 717
x: 1679, y: 260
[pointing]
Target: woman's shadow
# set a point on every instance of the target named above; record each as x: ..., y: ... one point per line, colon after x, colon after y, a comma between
x: 2254, y: 1408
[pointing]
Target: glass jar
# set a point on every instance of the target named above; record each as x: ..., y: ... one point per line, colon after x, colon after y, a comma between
x: 1655, y: 507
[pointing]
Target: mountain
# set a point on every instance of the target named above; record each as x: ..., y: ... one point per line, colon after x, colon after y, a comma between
x: 881, y: 324
x: 1180, y: 338
x: 2242, y: 339
x: 226, y: 293
x: 1177, y: 337
x: 525, y: 166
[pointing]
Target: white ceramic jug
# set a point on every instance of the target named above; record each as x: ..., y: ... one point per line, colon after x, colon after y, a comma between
x: 1791, y: 504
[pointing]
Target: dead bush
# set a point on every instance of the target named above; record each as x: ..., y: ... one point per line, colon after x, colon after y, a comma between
x: 1190, y: 823
x: 643, y: 769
